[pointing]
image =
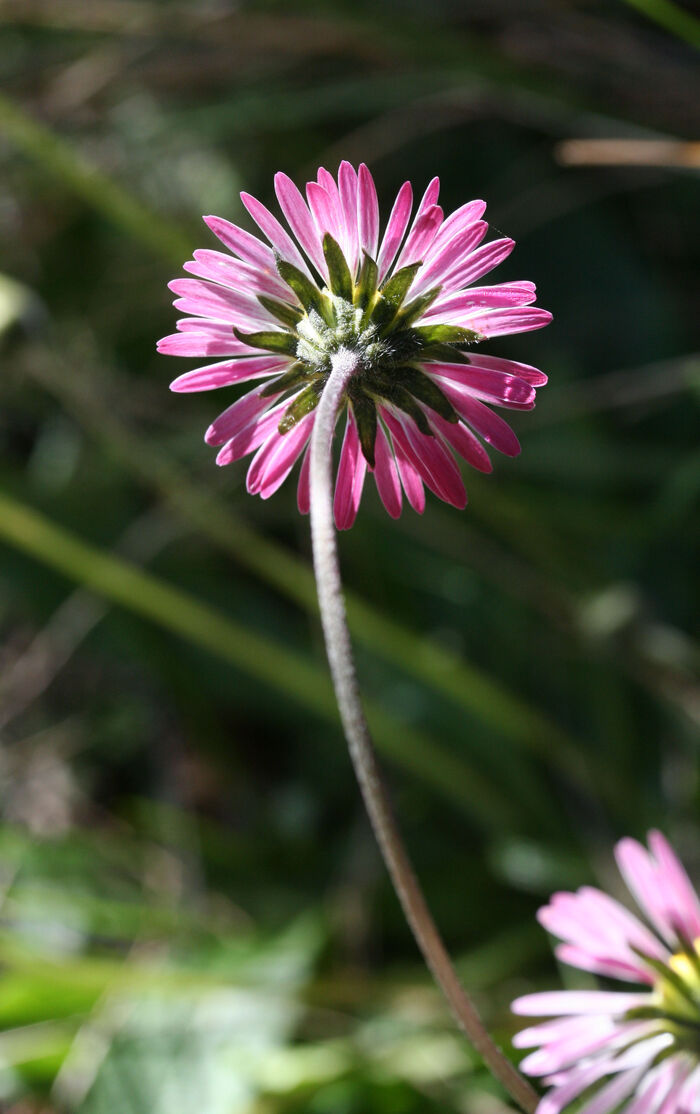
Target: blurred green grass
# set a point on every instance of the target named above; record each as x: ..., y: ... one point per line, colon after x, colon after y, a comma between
x: 193, y: 915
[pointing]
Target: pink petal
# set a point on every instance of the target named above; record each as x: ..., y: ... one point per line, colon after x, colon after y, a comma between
x: 456, y: 224
x: 303, y: 487
x: 488, y: 425
x: 494, y: 386
x: 530, y: 374
x: 395, y: 229
x: 299, y: 219
x: 601, y: 965
x: 367, y: 212
x: 351, y: 477
x: 221, y: 268
x: 479, y: 297
x: 683, y: 903
x: 441, y: 262
x: 502, y: 322
x: 327, y: 181
x: 236, y: 417
x: 274, y: 231
x: 386, y: 475
x: 464, y: 442
x: 324, y: 211
x: 409, y: 476
x: 240, y: 242
x: 229, y: 371
x: 275, y: 459
x: 204, y: 299
x: 609, y: 1097
x: 252, y: 436
x: 420, y: 237
x: 347, y: 182
x: 478, y: 263
x: 576, y: 1081
x: 203, y: 343
x: 552, y: 1003
x: 434, y: 463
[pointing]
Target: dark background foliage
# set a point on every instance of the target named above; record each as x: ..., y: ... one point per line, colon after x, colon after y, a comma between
x: 194, y: 917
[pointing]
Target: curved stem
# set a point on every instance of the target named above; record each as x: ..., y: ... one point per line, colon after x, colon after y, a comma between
x: 342, y: 665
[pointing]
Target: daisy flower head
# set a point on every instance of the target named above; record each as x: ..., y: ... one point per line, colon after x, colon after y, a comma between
x: 410, y: 305
x: 636, y: 1051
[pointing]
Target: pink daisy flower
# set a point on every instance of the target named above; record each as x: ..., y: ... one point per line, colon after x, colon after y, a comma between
x: 276, y: 310
x: 636, y: 1051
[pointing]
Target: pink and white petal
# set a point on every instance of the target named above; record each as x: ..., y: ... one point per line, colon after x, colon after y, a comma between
x: 456, y: 224
x: 574, y: 1083
x: 670, y: 1105
x: 610, y: 1096
x: 582, y: 958
x: 683, y: 899
x: 350, y: 480
x: 204, y: 299
x: 579, y: 1043
x: 386, y: 475
x: 300, y: 221
x: 225, y: 373
x: 488, y: 425
x: 304, y: 486
x: 328, y: 182
x: 347, y: 185
x: 367, y: 212
x: 554, y: 1003
x: 275, y: 459
x: 254, y: 434
x: 238, y: 416
x: 648, y: 886
x: 501, y: 296
x: 494, y: 386
x: 420, y: 237
x: 326, y: 217
x: 218, y: 267
x: 440, y: 263
x: 530, y: 374
x: 477, y: 264
x: 435, y: 464
x: 245, y: 246
x: 395, y: 229
x: 653, y: 1089
x: 464, y: 442
x: 203, y: 343
x: 408, y: 473
x: 271, y: 227
x: 504, y: 322
x: 563, y: 1029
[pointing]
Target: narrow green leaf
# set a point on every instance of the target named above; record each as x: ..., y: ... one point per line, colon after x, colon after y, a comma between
x: 365, y: 411
x: 405, y: 401
x: 270, y: 341
x: 367, y: 282
x: 302, y: 405
x: 339, y: 276
x: 296, y: 375
x: 306, y: 291
x: 412, y: 310
x: 424, y: 389
x: 288, y: 315
x: 446, y: 353
x: 393, y: 293
x: 446, y: 334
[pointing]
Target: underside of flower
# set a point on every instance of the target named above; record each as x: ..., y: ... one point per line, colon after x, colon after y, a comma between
x: 403, y: 306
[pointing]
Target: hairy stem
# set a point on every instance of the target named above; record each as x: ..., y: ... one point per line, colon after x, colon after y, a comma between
x: 347, y: 691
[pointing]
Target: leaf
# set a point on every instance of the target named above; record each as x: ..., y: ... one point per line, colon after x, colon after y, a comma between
x: 366, y: 287
x: 288, y: 315
x: 424, y: 389
x: 392, y: 295
x: 271, y: 341
x: 306, y: 291
x: 365, y: 411
x: 296, y: 375
x: 302, y: 405
x: 446, y: 334
x: 413, y: 310
x: 339, y: 276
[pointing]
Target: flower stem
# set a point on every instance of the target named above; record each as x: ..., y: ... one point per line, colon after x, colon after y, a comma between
x: 340, y: 657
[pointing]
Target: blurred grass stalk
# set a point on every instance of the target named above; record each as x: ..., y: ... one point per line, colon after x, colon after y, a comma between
x: 284, y: 670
